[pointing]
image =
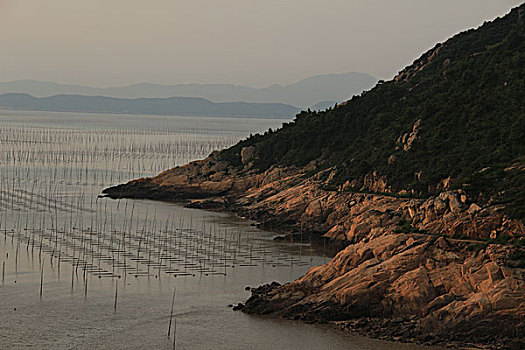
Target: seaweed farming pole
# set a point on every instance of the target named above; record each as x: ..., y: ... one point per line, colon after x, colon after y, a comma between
x: 174, y: 334
x: 72, y: 274
x: 116, y: 296
x: 85, y: 280
x: 171, y: 312
x: 41, y: 279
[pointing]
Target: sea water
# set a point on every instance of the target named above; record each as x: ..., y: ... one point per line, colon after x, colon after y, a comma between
x: 83, y: 272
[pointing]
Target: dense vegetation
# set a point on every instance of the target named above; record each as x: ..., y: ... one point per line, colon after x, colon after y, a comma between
x: 468, y: 94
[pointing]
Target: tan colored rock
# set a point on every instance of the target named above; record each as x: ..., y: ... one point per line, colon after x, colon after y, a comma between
x: 443, y: 287
x: 315, y: 208
x: 375, y: 183
x: 440, y: 205
x: 406, y: 140
x: 441, y: 283
x: 473, y: 209
x: 218, y: 187
x: 454, y: 203
x: 247, y: 154
x: 391, y: 159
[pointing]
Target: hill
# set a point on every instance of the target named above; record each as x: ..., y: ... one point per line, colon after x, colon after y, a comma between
x: 421, y: 180
x: 453, y: 119
x: 304, y: 93
x: 158, y: 106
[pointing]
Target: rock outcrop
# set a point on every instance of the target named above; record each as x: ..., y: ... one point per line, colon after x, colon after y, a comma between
x: 409, y: 287
x: 420, y: 180
x: 414, y: 269
x: 406, y: 140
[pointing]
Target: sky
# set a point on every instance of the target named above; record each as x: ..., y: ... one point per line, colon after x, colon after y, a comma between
x: 245, y: 42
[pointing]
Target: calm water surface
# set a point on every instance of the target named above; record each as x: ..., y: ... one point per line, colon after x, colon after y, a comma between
x: 81, y: 272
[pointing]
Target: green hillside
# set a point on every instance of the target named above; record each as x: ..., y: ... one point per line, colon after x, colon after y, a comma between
x: 464, y: 98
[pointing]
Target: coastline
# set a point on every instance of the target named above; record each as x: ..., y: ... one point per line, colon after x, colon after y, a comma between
x: 413, y: 270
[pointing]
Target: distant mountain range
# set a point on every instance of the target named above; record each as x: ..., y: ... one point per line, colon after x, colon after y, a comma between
x: 304, y: 94
x: 158, y: 106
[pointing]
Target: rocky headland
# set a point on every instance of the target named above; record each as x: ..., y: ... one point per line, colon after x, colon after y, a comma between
x: 421, y: 181
x: 432, y: 270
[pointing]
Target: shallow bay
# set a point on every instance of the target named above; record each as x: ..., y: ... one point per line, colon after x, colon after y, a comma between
x: 84, y: 272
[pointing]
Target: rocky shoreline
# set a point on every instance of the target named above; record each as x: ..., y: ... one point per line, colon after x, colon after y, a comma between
x: 437, y: 270
x: 407, y: 288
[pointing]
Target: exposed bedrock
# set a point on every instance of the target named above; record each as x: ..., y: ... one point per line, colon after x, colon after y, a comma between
x: 421, y: 270
x: 409, y: 287
x: 289, y: 199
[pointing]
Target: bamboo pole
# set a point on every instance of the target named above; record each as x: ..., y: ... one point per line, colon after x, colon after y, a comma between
x: 171, y: 311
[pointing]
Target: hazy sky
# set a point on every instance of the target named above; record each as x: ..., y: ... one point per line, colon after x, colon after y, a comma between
x: 118, y: 42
